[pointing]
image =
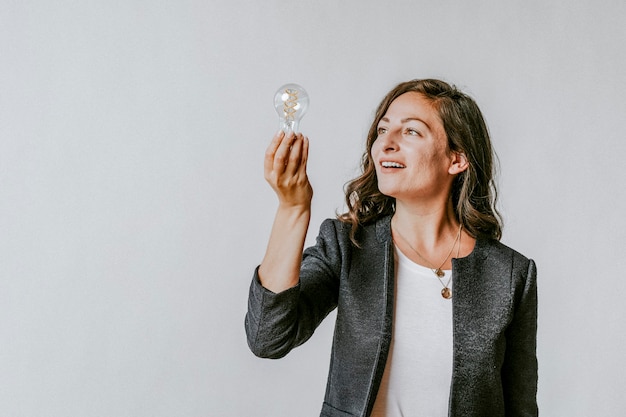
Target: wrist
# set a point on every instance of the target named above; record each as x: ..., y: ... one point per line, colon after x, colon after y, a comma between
x: 294, y: 211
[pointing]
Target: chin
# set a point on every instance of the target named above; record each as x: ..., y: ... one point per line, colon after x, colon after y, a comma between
x: 387, y: 191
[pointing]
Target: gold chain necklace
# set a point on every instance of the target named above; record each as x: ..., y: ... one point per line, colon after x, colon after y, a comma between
x: 446, y: 292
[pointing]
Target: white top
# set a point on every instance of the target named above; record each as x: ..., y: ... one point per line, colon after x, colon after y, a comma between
x: 417, y: 376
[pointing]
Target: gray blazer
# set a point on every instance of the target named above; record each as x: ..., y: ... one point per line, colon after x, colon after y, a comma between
x: 494, y: 315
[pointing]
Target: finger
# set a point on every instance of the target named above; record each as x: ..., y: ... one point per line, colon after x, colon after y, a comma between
x: 281, y: 156
x: 295, y: 156
x: 304, y: 156
x: 271, y: 150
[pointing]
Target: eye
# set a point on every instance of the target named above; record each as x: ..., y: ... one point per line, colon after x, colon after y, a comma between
x: 381, y: 130
x: 413, y: 132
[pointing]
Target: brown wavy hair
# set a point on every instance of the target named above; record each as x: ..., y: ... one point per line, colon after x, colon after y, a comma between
x: 473, y: 193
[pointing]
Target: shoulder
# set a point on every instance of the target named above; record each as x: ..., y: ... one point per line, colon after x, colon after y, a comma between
x: 497, y: 249
x: 373, y: 232
x: 379, y: 228
x: 502, y: 258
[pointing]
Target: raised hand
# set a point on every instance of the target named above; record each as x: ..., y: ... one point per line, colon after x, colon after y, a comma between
x: 285, y: 169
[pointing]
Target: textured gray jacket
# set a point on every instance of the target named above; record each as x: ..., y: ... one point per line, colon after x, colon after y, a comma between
x: 494, y: 315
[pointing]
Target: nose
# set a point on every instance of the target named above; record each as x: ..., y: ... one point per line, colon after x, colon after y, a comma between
x: 389, y: 142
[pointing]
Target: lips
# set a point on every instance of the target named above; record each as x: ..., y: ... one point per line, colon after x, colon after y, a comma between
x: 391, y: 164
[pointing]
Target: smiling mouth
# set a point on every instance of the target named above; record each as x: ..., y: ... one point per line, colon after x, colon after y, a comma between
x: 389, y: 164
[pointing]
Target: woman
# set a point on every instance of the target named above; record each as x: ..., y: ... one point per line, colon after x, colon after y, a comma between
x: 434, y: 315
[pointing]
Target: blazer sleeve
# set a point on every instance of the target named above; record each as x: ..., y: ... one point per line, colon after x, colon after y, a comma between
x: 519, y: 372
x: 278, y: 322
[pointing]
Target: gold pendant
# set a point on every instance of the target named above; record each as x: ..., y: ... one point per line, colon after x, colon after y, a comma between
x: 439, y: 273
x: 446, y: 293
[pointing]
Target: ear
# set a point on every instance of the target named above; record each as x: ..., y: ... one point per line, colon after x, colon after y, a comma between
x: 458, y: 163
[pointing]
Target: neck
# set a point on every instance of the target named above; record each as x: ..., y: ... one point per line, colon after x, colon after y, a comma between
x: 432, y: 225
x: 427, y: 233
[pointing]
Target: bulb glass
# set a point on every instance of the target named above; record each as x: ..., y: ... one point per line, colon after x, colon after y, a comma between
x: 291, y: 102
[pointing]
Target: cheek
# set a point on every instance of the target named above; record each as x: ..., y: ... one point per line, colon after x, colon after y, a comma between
x: 374, y: 148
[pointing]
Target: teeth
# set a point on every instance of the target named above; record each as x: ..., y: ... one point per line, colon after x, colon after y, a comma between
x: 388, y: 164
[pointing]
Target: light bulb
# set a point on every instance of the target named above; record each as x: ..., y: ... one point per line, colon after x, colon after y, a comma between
x: 291, y: 102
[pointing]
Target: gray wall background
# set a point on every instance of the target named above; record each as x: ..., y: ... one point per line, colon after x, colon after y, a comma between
x: 133, y: 206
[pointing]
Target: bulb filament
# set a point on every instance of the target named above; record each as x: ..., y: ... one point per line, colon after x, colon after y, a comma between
x: 289, y: 106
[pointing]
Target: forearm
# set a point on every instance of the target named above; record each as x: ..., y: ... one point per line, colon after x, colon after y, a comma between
x: 271, y: 320
x: 280, y: 267
x: 277, y: 322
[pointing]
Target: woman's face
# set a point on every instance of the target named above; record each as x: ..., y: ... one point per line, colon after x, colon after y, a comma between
x: 411, y: 152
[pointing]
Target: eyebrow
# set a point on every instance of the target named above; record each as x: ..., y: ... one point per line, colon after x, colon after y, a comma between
x: 408, y: 119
